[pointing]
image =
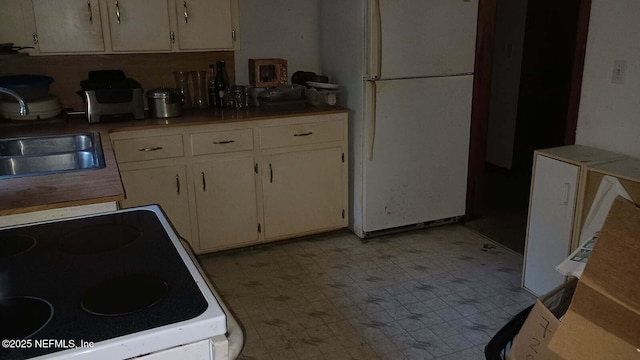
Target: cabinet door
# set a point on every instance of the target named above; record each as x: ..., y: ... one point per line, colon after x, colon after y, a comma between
x: 204, y: 24
x: 225, y: 192
x: 12, y: 24
x: 68, y: 26
x: 139, y: 25
x: 551, y: 216
x: 164, y: 186
x: 303, y: 192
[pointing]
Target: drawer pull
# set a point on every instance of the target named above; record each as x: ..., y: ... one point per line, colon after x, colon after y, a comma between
x: 221, y: 142
x: 178, y: 184
x: 150, y: 148
x: 117, y: 12
x: 304, y: 134
x: 90, y: 12
x: 204, y: 182
x: 270, y: 173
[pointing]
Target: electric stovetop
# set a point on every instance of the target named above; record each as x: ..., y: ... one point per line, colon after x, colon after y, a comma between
x: 98, y: 285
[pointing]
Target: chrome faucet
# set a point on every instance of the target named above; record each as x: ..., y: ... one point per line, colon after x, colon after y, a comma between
x: 24, y: 110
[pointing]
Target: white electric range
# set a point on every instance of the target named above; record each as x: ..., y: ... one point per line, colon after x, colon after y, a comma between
x: 115, y: 285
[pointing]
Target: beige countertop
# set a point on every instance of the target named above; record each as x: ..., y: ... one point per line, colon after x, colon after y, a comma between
x: 34, y: 193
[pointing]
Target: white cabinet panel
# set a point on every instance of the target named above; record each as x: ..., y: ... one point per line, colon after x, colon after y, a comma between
x: 551, y: 217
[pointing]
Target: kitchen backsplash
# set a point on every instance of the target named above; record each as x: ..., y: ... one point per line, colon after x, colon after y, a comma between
x: 150, y: 70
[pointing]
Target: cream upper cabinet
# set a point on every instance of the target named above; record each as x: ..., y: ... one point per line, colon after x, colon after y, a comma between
x: 204, y: 24
x: 119, y: 26
x: 12, y: 23
x: 67, y: 26
x: 139, y: 25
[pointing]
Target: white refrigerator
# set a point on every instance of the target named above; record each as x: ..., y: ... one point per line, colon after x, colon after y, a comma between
x: 406, y: 70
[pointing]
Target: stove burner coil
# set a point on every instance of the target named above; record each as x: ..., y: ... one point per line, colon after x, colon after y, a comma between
x: 98, y: 238
x: 26, y: 315
x: 124, y: 295
x: 12, y: 245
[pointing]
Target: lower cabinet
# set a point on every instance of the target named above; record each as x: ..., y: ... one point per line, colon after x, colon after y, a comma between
x: 225, y: 194
x: 555, y: 208
x: 165, y: 186
x: 553, y: 204
x: 239, y: 183
x: 302, y: 190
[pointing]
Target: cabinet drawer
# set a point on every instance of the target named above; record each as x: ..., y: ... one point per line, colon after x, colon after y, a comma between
x: 148, y: 148
x: 221, y: 141
x: 301, y: 134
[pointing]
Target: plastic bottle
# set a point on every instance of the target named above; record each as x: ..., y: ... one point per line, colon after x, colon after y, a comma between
x: 221, y: 83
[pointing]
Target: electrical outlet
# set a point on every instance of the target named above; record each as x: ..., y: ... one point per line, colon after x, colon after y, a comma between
x: 619, y: 71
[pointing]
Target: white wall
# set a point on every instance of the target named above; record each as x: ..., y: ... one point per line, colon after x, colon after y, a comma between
x: 287, y: 29
x: 609, y: 116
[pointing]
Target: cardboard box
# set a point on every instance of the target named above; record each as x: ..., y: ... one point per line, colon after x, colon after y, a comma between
x: 534, y: 336
x: 603, y: 320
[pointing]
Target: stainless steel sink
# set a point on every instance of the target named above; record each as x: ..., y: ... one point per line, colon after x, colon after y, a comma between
x: 50, y: 154
x: 47, y: 144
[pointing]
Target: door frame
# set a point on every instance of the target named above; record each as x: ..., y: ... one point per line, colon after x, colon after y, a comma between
x: 482, y: 93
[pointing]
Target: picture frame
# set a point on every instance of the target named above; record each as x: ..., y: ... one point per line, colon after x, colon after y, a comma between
x: 267, y: 72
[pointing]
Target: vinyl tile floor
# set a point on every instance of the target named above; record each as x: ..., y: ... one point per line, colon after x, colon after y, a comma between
x: 435, y: 293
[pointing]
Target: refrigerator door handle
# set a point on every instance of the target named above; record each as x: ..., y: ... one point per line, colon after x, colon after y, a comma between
x: 371, y: 129
x: 375, y: 41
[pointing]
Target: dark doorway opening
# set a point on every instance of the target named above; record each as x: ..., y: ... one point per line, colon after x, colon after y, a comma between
x: 543, y: 113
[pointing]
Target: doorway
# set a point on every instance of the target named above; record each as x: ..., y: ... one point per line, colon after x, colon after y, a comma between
x: 526, y: 95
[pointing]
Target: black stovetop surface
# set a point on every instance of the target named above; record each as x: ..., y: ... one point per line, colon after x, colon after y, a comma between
x: 70, y: 260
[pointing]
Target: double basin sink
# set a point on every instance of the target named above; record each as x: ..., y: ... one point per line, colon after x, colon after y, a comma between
x: 42, y: 155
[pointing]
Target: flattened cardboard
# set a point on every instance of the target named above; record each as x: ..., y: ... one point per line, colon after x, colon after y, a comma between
x: 533, y: 339
x: 603, y: 321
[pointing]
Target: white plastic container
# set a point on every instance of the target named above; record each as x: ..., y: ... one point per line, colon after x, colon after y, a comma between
x: 322, y: 98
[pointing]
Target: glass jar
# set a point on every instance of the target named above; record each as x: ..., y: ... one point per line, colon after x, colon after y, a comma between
x: 237, y: 97
x: 199, y: 89
x: 182, y: 84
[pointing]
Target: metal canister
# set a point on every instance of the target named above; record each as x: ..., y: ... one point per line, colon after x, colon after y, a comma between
x: 165, y: 102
